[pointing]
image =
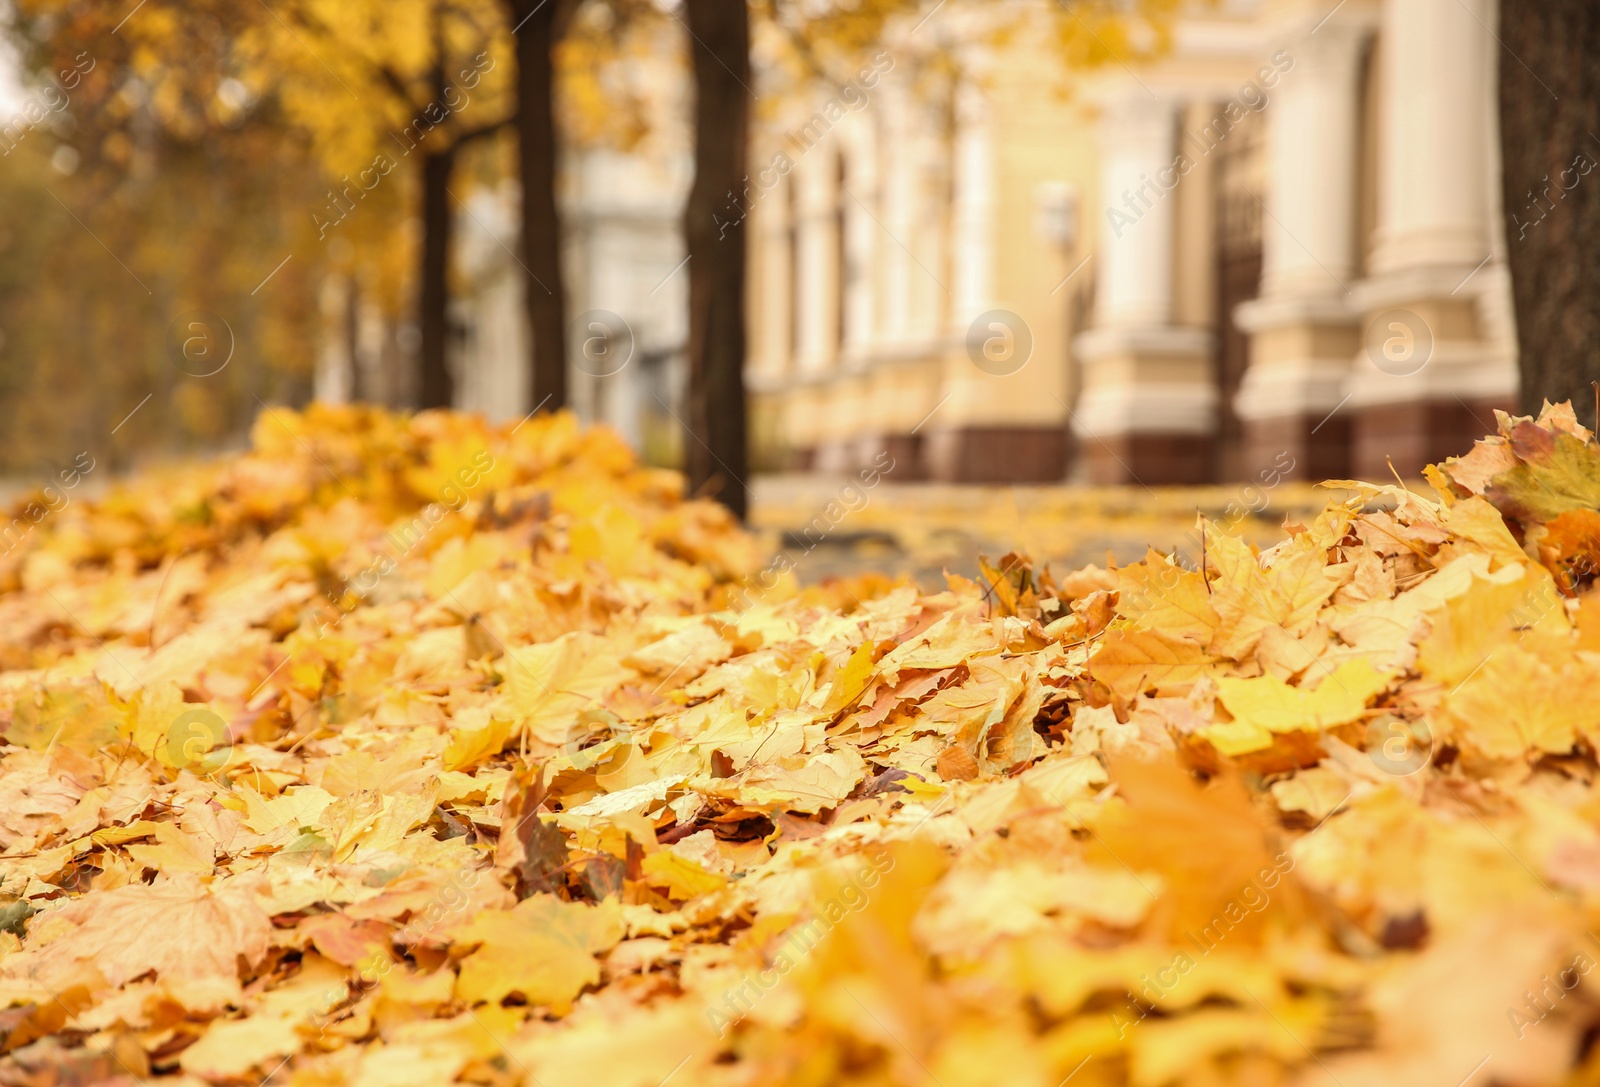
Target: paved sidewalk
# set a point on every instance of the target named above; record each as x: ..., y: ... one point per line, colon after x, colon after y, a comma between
x: 922, y: 529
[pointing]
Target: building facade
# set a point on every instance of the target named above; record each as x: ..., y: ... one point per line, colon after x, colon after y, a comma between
x: 1283, y: 237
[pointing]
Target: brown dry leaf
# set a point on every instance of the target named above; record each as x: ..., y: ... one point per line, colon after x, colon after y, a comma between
x: 1473, y: 472
x: 1571, y: 543
x: 957, y: 764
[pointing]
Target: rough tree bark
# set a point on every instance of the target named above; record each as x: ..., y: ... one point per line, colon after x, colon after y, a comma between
x: 1550, y: 146
x: 715, y: 447
x: 437, y: 386
x: 538, y: 25
x: 443, y: 144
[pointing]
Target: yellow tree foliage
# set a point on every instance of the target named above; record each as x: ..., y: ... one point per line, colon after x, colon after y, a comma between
x: 383, y: 79
x: 135, y: 194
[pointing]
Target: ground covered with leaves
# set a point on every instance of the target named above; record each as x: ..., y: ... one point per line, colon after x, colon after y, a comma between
x: 410, y: 751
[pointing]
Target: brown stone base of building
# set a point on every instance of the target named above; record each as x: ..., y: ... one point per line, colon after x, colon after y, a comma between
x: 1318, y: 448
x: 1415, y: 435
x: 1148, y: 459
x: 904, y: 453
x: 847, y: 460
x: 996, y: 455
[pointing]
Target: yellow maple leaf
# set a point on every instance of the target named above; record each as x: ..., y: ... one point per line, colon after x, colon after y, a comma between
x: 681, y: 877
x: 1250, y: 598
x: 613, y: 537
x: 180, y: 928
x: 1480, y: 527
x: 1266, y: 705
x: 153, y: 711
x: 666, y: 1041
x: 952, y: 640
x: 80, y: 717
x: 543, y: 948
x: 851, y: 679
x: 459, y: 467
x: 232, y: 1047
x: 1130, y: 661
x: 1215, y: 853
x: 810, y: 784
x: 552, y: 682
x: 683, y: 653
x: 296, y: 808
x: 1158, y: 594
x: 475, y: 735
x: 1522, y: 699
x: 1489, y: 614
x: 175, y: 851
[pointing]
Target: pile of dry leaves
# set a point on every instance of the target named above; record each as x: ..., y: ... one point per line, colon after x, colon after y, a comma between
x: 412, y: 750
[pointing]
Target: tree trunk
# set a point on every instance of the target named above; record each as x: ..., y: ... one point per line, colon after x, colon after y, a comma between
x: 538, y: 24
x: 437, y: 386
x: 1549, y: 123
x: 715, y: 449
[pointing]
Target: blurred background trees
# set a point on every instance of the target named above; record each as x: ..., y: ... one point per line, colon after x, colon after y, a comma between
x: 416, y: 83
x: 135, y: 195
x: 195, y: 184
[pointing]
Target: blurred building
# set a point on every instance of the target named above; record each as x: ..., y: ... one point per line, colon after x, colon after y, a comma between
x: 1281, y: 239
x: 1280, y: 243
x: 623, y: 244
x: 626, y: 303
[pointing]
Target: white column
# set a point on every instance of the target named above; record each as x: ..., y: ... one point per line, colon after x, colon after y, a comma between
x: 862, y: 235
x: 1437, y: 220
x: 335, y: 378
x: 973, y: 241
x: 1433, y: 198
x: 1309, y: 239
x: 1142, y: 374
x: 1303, y: 327
x: 897, y: 182
x: 926, y: 234
x: 818, y: 260
x: 1138, y: 153
x: 769, y: 253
